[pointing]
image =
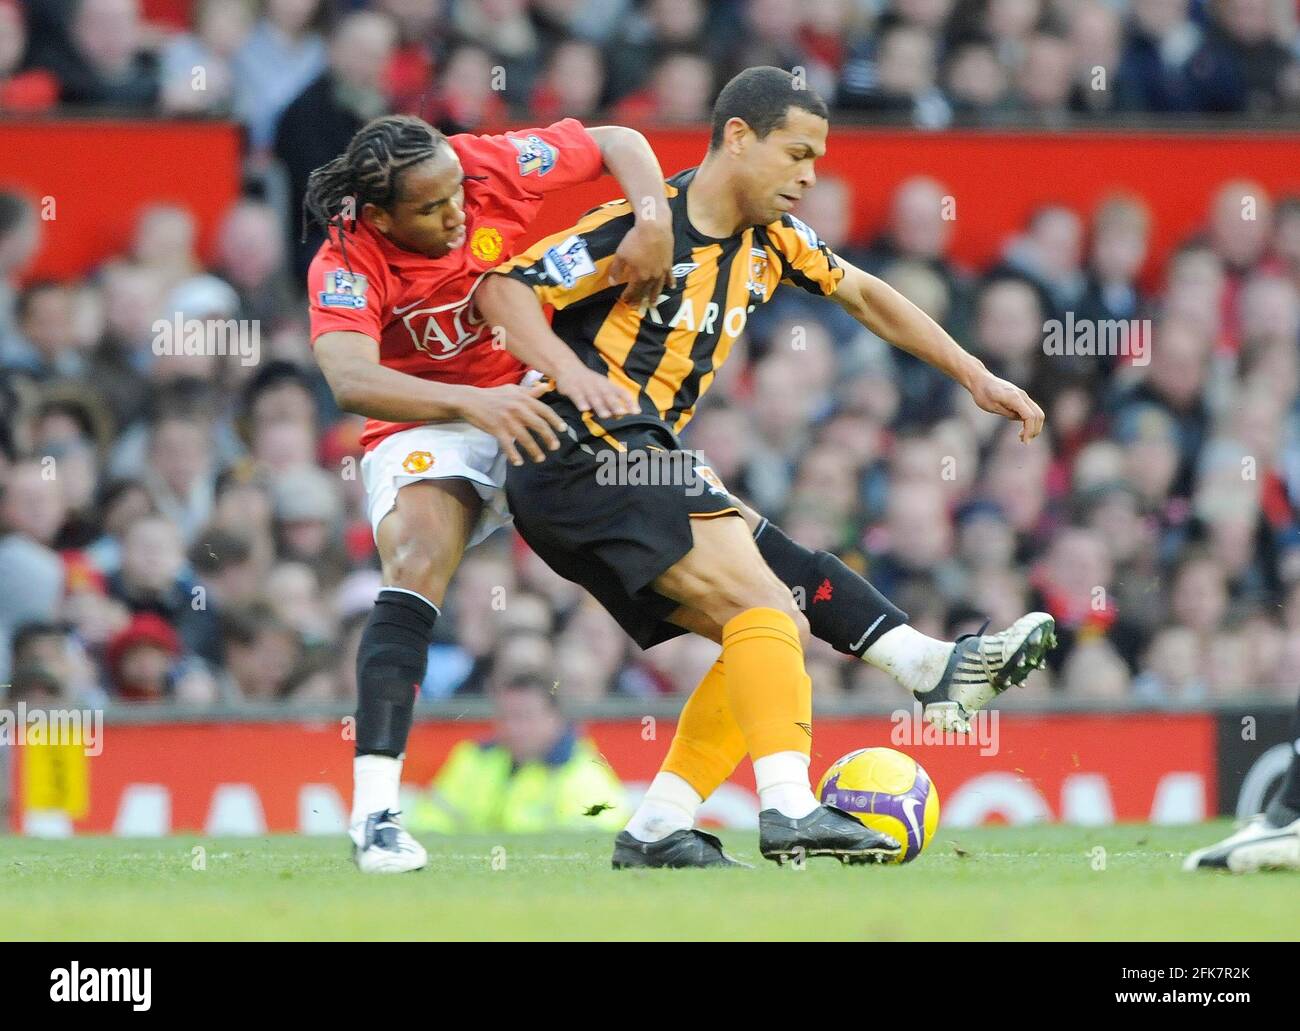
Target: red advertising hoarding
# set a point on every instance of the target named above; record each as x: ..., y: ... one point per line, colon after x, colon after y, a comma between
x: 101, y: 174
x: 231, y: 778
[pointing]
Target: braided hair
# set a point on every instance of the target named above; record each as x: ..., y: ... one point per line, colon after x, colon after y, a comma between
x: 368, y: 172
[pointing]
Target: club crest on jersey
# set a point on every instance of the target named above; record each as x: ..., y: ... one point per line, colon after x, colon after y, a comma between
x: 711, y: 479
x: 535, y: 155
x: 418, y: 462
x: 486, y: 244
x: 344, y: 289
x: 568, y: 262
x: 758, y: 272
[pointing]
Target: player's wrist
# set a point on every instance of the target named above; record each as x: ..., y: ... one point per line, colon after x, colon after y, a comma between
x: 455, y: 399
x: 970, y: 371
x: 658, y: 219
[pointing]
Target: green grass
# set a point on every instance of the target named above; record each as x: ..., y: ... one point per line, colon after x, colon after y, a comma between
x: 1034, y: 883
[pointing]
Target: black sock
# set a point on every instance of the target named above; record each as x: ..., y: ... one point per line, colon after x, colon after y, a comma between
x: 1285, y: 807
x: 391, y: 661
x: 843, y: 609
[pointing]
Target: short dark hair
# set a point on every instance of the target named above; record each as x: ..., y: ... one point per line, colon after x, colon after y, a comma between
x: 25, y: 300
x: 217, y: 551
x: 15, y: 210
x: 29, y: 632
x: 761, y: 97
x: 534, y: 682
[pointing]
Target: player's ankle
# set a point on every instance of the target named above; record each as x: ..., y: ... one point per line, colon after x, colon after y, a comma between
x: 376, y: 785
x: 910, y: 657
x: 655, y: 820
x: 669, y: 806
x: 782, y: 779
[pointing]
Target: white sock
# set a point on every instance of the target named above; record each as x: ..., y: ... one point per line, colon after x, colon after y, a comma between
x: 376, y: 785
x: 669, y: 805
x: 783, y: 784
x: 911, y: 658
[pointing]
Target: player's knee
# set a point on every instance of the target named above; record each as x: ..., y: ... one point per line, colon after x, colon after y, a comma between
x: 418, y: 565
x: 734, y: 595
x: 801, y: 623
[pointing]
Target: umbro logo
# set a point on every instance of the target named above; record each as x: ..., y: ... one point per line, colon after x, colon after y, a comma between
x: 684, y: 268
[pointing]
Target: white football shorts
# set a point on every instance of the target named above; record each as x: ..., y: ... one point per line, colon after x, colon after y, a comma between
x: 438, y: 451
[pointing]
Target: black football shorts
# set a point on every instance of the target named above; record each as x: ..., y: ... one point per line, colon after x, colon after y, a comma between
x: 613, y: 520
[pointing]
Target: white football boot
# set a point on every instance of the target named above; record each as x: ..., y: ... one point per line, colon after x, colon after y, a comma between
x: 382, y: 845
x: 982, y: 666
x: 1259, y: 845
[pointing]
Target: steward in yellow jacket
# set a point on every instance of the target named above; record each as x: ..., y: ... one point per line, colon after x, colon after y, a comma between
x: 535, y: 774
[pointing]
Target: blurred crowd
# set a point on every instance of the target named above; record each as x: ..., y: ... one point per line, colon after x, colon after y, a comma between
x: 190, y: 528
x: 464, y: 63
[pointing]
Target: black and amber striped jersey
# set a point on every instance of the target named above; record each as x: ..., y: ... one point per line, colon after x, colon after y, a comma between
x: 667, y: 354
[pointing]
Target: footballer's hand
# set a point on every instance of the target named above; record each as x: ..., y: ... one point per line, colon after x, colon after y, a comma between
x: 1007, y: 400
x: 592, y: 392
x: 516, y: 417
x: 645, y: 260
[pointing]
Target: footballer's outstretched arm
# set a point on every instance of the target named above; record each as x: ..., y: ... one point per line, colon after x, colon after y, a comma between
x: 894, y: 318
x: 645, y: 256
x: 512, y: 414
x: 512, y: 308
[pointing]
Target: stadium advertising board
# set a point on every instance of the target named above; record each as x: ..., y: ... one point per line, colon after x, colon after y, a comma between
x: 249, y: 778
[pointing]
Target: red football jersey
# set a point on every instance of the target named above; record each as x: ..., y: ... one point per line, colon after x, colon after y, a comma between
x: 418, y: 308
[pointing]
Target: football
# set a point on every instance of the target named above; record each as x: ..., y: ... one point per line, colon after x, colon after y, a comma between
x: 889, y: 792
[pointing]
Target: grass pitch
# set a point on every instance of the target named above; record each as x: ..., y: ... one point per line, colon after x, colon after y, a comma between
x: 1032, y: 883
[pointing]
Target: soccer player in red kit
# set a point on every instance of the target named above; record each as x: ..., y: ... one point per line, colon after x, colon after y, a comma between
x: 414, y: 220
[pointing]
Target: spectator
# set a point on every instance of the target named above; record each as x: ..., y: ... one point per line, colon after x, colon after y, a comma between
x: 164, y: 244
x: 31, y: 511
x: 140, y: 658
x: 1045, y: 77
x: 1153, y: 74
x: 316, y: 126
x: 537, y: 773
x: 198, y: 68
x: 20, y: 234
x: 55, y: 649
x: 1095, y: 38
x: 1050, y: 253
x: 1240, y: 65
x: 153, y: 578
x: 504, y: 30
x: 43, y: 345
x: 572, y: 84
x: 680, y: 91
x: 977, y: 85
x: 251, y: 257
x: 22, y: 91
x: 283, y: 54
x: 108, y: 64
x: 904, y: 81
x: 468, y: 93
x: 1116, y: 256
x: 651, y: 32
x: 260, y: 653
x: 408, y: 79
